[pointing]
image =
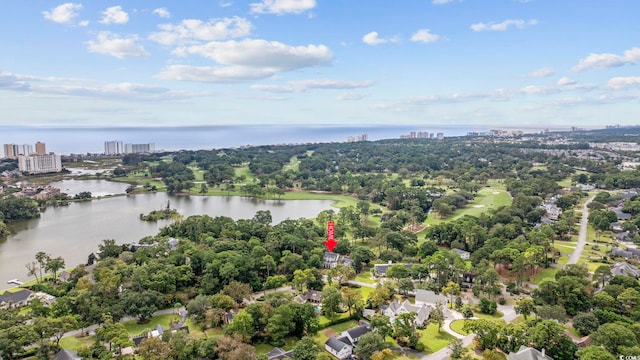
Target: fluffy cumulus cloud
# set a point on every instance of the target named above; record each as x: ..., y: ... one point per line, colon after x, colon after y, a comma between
x: 246, y: 60
x: 107, y: 43
x: 162, y: 12
x: 260, y: 53
x: 503, y: 26
x: 424, y: 36
x: 64, y: 13
x: 281, y: 7
x: 620, y: 83
x: 373, y: 38
x: 194, y: 30
x: 606, y: 60
x: 565, y: 81
x: 304, y: 85
x: 114, y: 15
x: 542, y: 72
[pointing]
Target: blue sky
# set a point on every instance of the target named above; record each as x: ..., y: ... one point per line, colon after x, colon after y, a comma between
x: 503, y: 63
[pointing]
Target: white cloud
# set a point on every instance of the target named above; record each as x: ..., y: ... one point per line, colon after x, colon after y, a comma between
x: 603, y: 61
x: 214, y: 74
x: 51, y: 85
x: 114, y: 15
x: 111, y: 44
x: 424, y: 36
x: 83, y: 23
x: 245, y: 60
x: 565, y: 81
x: 259, y: 53
x: 441, y: 2
x: 281, y: 7
x: 223, y: 4
x: 542, y: 72
x: 193, y: 30
x: 64, y: 13
x: 373, y: 39
x: 304, y: 85
x: 162, y: 12
x: 350, y: 96
x: 503, y: 26
x: 620, y: 83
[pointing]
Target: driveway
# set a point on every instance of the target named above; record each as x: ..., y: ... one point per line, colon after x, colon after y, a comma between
x: 582, y: 235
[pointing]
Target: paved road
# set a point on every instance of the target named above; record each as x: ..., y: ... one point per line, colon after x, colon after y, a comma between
x: 582, y: 236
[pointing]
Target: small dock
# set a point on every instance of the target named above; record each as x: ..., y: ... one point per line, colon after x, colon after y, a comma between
x: 15, y: 282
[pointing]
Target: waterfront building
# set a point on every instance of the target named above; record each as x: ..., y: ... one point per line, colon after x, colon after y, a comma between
x: 114, y: 147
x: 41, y: 148
x: 139, y: 148
x: 13, y: 150
x: 39, y: 164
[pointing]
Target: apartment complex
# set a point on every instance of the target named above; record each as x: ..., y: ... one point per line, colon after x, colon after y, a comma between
x: 41, y: 148
x: 39, y: 164
x: 14, y: 150
x: 116, y: 147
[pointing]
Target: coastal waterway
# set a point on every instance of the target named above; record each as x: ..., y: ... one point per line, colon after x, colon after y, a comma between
x: 75, y: 231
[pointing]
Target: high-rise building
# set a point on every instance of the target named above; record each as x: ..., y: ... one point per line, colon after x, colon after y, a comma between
x: 41, y: 148
x: 114, y: 147
x: 440, y: 136
x: 13, y: 150
x: 38, y: 164
x: 8, y: 150
x: 139, y: 148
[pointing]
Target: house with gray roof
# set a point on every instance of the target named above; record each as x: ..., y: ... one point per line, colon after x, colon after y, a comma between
x: 15, y: 299
x: 331, y: 260
x: 338, y: 347
x: 430, y: 298
x: 343, y: 345
x: 279, y: 354
x: 395, y: 309
x: 620, y: 252
x: 624, y: 268
x: 66, y: 355
x: 528, y: 353
x: 310, y: 296
x: 380, y: 270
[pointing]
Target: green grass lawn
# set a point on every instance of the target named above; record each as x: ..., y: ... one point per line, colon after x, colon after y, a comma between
x: 434, y: 340
x: 476, y: 312
x: 365, y: 277
x: 240, y: 171
x: 293, y: 165
x: 487, y: 198
x: 457, y: 326
x: 76, y: 343
x: 321, y: 336
x: 545, y: 274
x: 133, y: 328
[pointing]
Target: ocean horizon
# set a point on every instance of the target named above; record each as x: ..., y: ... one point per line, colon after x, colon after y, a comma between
x: 90, y: 139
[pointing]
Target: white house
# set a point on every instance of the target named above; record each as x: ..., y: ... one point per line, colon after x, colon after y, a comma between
x: 338, y: 347
x: 428, y: 297
x: 342, y: 346
x: 395, y: 309
x: 463, y: 254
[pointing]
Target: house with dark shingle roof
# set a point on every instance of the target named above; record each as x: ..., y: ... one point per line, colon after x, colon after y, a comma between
x: 16, y: 299
x: 66, y: 355
x: 279, y: 354
x: 527, y: 353
x: 624, y: 268
x: 342, y: 346
x: 380, y: 270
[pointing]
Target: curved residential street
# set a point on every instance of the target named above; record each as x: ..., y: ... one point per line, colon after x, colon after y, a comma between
x: 582, y: 235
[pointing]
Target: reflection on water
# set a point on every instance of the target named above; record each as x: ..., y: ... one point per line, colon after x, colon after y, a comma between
x: 75, y: 231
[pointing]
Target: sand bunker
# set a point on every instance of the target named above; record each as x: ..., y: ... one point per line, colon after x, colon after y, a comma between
x: 496, y: 192
x: 478, y: 206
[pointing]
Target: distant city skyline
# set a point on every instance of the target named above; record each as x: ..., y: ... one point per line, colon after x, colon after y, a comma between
x: 497, y: 63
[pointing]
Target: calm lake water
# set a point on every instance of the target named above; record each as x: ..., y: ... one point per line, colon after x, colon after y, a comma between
x: 75, y: 231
